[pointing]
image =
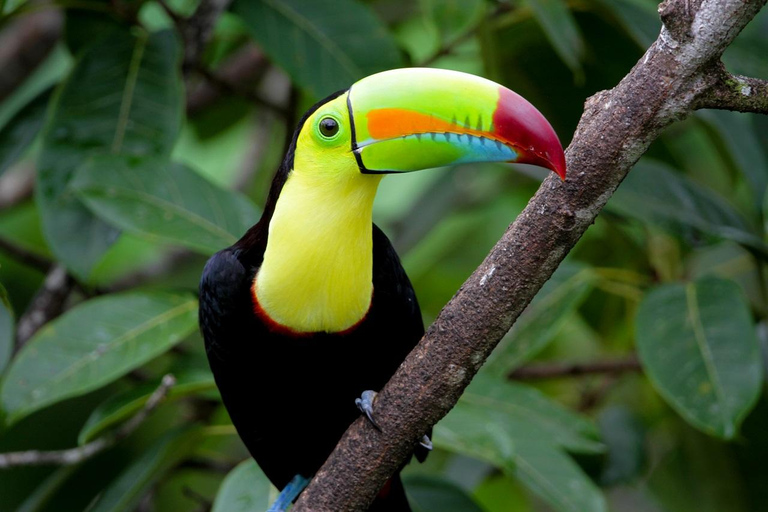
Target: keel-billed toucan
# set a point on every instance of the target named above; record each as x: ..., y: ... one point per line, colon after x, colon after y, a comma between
x: 311, y: 307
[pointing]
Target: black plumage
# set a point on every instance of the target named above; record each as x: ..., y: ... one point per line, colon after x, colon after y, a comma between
x: 291, y: 396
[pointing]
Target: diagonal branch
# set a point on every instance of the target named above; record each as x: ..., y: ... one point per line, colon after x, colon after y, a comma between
x: 81, y: 453
x: 615, y: 130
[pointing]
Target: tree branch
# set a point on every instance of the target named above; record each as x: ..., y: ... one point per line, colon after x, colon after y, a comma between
x: 198, y: 28
x: 81, y: 453
x: 24, y: 256
x: 47, y: 304
x: 659, y: 90
x: 734, y: 92
x: 25, y: 44
x: 558, y: 370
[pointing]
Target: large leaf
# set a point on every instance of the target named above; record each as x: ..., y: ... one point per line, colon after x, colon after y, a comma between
x: 245, y: 489
x: 698, y: 346
x: 21, y: 130
x: 7, y: 329
x: 521, y: 449
x: 120, y: 407
x: 561, y: 29
x: 543, y: 318
x: 738, y: 133
x: 640, y: 17
x: 453, y: 18
x: 325, y: 45
x: 164, y: 200
x: 523, y: 408
x: 124, y: 96
x: 128, y: 489
x: 656, y: 195
x: 431, y: 494
x: 94, y: 344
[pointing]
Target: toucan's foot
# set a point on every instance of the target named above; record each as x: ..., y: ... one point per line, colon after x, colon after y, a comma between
x: 426, y: 442
x: 288, y: 494
x: 365, y: 404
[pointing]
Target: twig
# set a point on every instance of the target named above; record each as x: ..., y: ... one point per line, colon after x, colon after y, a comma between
x: 198, y: 28
x: 81, y: 453
x: 25, y: 44
x: 246, y: 68
x: 47, y: 304
x: 203, y: 502
x: 24, y: 256
x: 734, y: 92
x: 559, y: 370
x: 226, y: 86
x: 16, y: 186
x: 617, y: 127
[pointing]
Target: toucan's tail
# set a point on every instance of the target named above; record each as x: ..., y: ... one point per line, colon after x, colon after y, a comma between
x: 391, y: 497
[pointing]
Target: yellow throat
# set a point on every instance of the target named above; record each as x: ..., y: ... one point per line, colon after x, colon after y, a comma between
x: 318, y: 266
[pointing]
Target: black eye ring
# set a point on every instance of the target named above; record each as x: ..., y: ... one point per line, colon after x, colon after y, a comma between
x: 328, y: 127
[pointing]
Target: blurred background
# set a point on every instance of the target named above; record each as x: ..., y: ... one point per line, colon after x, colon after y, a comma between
x: 139, y: 137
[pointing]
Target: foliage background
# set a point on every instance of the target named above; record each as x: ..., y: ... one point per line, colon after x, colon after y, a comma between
x: 664, y: 298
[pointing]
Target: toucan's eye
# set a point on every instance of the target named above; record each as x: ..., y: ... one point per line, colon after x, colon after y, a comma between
x: 329, y: 127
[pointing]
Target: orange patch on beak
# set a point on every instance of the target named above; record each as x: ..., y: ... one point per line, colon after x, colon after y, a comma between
x: 391, y: 123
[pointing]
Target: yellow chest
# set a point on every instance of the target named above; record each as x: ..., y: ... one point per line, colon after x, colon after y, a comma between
x: 318, y: 266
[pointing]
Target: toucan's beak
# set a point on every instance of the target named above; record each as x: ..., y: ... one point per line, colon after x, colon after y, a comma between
x: 419, y: 118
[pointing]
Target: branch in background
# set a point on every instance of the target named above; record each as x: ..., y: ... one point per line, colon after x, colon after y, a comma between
x: 735, y: 92
x: 658, y: 91
x: 47, y: 304
x: 16, y: 186
x: 231, y: 87
x: 559, y: 370
x: 198, y: 29
x: 245, y: 68
x: 81, y: 453
x: 25, y: 44
x: 25, y: 257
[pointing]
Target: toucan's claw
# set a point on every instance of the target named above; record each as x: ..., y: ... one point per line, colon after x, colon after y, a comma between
x: 365, y: 404
x: 288, y: 494
x: 426, y: 442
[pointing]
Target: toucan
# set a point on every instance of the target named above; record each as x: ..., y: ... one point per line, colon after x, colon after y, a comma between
x: 311, y: 311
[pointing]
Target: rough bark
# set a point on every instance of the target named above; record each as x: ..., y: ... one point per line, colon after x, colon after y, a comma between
x: 615, y: 130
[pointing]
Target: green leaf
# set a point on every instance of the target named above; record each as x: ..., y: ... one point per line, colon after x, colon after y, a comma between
x: 656, y: 195
x: 21, y: 130
x: 452, y: 18
x: 624, y: 435
x: 522, y: 408
x: 739, y: 135
x: 555, y: 477
x: 541, y: 321
x: 45, y: 492
x: 7, y: 329
x: 128, y: 489
x: 124, y: 96
x: 521, y: 449
x: 94, y: 344
x: 245, y: 489
x: 699, y: 348
x: 119, y: 408
x: 432, y: 494
x: 165, y: 201
x: 323, y: 45
x: 561, y: 29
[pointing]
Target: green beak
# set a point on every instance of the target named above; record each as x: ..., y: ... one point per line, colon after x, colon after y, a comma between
x: 418, y: 118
